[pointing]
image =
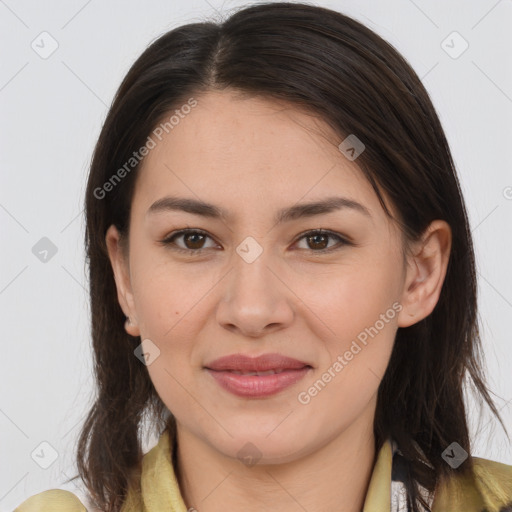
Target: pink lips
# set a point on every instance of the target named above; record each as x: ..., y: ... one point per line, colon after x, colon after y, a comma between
x: 276, y: 372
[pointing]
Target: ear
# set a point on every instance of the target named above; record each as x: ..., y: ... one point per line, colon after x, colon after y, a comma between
x: 119, y: 262
x: 426, y: 270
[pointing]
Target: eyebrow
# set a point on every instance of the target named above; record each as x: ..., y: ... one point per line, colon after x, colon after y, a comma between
x: 294, y: 212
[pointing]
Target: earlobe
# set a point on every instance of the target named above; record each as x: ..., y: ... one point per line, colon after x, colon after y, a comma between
x: 426, y: 272
x: 131, y: 327
x: 122, y: 279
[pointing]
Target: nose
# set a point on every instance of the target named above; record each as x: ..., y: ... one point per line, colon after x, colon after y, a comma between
x: 255, y: 300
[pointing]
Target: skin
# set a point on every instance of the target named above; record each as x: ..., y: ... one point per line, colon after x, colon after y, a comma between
x: 253, y: 157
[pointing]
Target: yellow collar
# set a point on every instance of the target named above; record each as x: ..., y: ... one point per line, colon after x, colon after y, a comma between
x: 378, y: 496
x: 487, y: 488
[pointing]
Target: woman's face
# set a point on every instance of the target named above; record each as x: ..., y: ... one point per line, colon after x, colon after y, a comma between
x: 261, y: 284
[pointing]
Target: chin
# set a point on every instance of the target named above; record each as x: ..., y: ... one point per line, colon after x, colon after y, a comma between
x: 257, y: 447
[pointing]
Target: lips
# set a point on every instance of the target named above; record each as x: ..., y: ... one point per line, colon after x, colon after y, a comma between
x: 257, y: 377
x: 265, y: 364
x: 259, y: 374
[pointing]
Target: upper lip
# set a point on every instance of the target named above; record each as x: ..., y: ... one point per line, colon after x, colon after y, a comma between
x: 264, y: 362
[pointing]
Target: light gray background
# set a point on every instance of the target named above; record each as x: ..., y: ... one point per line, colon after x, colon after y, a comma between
x: 51, y: 113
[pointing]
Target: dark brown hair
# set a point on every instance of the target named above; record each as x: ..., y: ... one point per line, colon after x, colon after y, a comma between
x: 338, y: 69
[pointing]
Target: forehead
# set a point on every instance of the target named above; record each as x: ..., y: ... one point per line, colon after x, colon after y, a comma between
x: 250, y: 151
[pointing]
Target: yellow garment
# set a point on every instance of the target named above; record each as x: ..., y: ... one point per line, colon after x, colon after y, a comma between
x: 489, y: 491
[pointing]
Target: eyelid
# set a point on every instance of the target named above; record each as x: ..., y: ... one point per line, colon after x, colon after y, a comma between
x: 343, y: 240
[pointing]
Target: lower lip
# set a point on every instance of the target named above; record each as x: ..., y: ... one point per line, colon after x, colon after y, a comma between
x: 255, y: 386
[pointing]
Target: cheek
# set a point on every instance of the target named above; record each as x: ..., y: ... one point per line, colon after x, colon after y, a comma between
x: 352, y: 297
x: 359, y: 307
x: 168, y: 302
x: 165, y: 293
x: 346, y: 384
x: 173, y: 381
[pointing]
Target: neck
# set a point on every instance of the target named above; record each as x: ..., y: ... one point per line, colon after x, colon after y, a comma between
x: 332, y: 478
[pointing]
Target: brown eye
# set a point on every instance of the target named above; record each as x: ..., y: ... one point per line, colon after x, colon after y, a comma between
x: 193, y: 241
x: 318, y: 240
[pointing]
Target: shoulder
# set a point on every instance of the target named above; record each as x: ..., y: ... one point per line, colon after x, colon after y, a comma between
x: 494, y: 479
x: 53, y: 500
x: 488, y: 488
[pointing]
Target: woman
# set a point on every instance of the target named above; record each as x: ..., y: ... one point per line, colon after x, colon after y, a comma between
x: 282, y: 281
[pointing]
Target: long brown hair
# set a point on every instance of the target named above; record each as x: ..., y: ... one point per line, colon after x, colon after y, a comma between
x: 337, y: 68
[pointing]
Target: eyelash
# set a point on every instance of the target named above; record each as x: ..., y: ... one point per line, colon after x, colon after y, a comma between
x: 168, y: 240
